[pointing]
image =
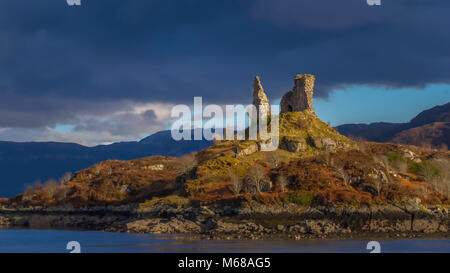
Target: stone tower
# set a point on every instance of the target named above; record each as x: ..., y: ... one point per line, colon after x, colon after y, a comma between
x: 259, y: 97
x: 301, y: 97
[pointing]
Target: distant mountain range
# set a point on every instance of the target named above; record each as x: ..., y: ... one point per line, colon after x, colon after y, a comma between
x: 430, y: 127
x: 22, y: 163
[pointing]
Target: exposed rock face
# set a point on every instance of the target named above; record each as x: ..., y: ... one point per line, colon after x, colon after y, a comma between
x: 250, y: 222
x: 301, y: 97
x: 156, y: 167
x: 292, y: 146
x: 326, y: 143
x: 251, y: 149
x: 260, y: 98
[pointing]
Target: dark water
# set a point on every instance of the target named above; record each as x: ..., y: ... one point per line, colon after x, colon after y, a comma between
x: 16, y: 240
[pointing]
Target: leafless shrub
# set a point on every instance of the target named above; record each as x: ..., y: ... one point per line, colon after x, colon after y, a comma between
x: 236, y: 183
x: 330, y: 160
x: 256, y: 178
x: 50, y: 187
x: 65, y: 178
x: 341, y: 173
x: 61, y: 193
x: 273, y: 158
x: 382, y: 159
x: 28, y: 193
x: 429, y: 171
x: 443, y: 147
x: 443, y: 182
x: 400, y: 165
x: 282, y: 182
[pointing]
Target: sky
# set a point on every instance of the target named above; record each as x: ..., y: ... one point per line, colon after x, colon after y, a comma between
x: 110, y: 71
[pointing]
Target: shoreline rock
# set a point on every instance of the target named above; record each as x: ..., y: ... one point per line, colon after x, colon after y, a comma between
x: 258, y: 222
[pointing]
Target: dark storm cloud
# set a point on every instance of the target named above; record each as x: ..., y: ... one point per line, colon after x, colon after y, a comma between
x: 132, y: 124
x: 66, y: 59
x: 32, y: 112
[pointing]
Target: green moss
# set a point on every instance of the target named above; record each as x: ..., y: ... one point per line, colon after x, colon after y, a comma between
x: 220, y: 163
x: 299, y: 198
x: 414, y: 167
x: 424, y: 168
x: 394, y: 157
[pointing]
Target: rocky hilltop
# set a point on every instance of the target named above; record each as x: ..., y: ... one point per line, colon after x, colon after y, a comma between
x: 319, y: 183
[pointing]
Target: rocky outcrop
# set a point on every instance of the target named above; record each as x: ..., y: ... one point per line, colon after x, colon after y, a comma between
x: 156, y: 167
x: 292, y: 146
x: 301, y: 97
x: 164, y: 226
x: 250, y: 149
x: 324, y: 144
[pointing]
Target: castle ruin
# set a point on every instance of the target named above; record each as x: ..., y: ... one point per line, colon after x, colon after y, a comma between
x: 297, y: 100
x: 301, y: 97
x: 260, y: 99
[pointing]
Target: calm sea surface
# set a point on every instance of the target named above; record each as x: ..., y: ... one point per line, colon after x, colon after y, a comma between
x: 26, y: 240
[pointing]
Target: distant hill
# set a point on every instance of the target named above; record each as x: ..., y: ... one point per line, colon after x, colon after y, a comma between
x: 433, y: 134
x: 22, y: 163
x: 430, y: 126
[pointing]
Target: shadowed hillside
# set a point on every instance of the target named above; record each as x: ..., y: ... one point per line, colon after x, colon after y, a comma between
x: 22, y: 164
x: 429, y: 128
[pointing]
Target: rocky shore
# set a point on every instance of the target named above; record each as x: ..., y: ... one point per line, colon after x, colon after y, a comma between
x: 256, y: 222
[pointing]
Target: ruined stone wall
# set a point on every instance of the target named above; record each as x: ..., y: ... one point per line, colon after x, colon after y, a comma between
x: 260, y: 99
x: 301, y: 97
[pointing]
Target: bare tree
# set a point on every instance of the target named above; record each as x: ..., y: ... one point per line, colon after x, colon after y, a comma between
x: 236, y: 183
x: 28, y: 194
x: 65, y: 178
x: 256, y: 178
x: 443, y: 184
x: 429, y: 171
x: 61, y: 193
x: 282, y: 182
x: 50, y: 187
